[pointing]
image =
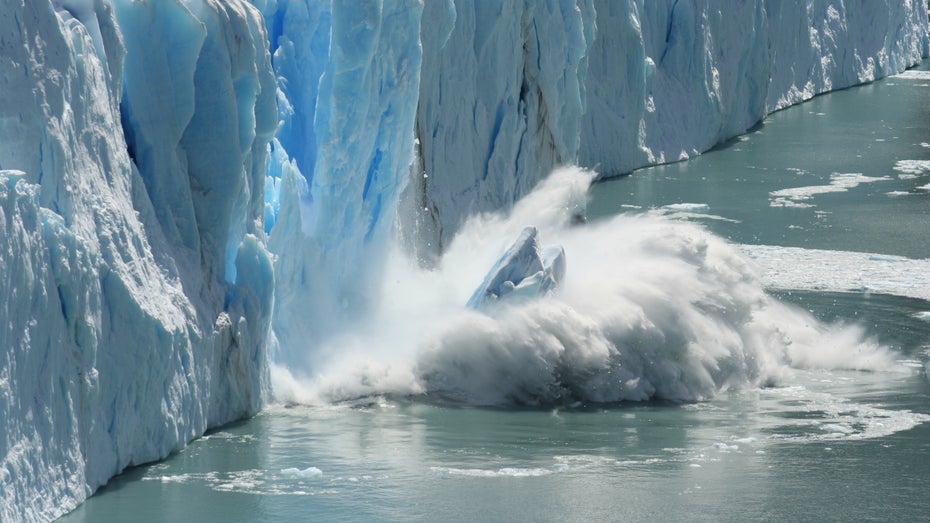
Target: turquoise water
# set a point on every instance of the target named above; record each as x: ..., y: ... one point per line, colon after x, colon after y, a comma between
x: 818, y: 445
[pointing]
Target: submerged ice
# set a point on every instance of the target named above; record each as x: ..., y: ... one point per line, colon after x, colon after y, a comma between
x: 197, y: 194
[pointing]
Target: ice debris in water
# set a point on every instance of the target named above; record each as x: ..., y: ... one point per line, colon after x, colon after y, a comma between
x: 524, y: 270
x: 307, y: 473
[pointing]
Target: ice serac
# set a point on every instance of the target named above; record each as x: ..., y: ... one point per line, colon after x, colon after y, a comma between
x: 136, y: 291
x: 694, y: 74
x: 349, y: 75
x: 500, y: 104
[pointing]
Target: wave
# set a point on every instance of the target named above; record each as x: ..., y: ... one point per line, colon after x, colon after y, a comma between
x: 650, y: 308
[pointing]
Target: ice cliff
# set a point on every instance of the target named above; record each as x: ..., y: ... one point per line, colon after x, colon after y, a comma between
x: 509, y: 89
x: 136, y: 291
x: 191, y: 188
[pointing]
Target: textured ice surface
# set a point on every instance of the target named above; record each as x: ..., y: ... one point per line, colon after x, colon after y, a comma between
x: 509, y: 90
x: 136, y: 294
x: 137, y: 184
x: 348, y: 74
x: 696, y: 73
x: 650, y: 307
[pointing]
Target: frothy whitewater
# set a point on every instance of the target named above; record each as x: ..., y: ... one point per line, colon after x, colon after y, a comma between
x: 650, y: 308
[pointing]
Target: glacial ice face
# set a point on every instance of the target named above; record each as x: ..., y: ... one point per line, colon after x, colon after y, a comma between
x: 509, y: 90
x: 123, y: 337
x: 694, y: 74
x: 501, y: 96
x: 348, y: 74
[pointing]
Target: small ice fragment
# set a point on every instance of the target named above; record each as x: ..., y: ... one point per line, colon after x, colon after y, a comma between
x: 307, y: 473
x: 687, y: 207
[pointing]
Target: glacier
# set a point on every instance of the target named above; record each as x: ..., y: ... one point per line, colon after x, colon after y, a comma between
x: 130, y: 187
x: 195, y: 194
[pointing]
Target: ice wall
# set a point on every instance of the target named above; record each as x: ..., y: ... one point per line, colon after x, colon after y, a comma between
x: 135, y: 290
x: 348, y: 73
x: 510, y: 88
x: 696, y: 73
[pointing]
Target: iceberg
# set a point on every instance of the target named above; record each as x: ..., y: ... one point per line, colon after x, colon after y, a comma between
x: 192, y: 191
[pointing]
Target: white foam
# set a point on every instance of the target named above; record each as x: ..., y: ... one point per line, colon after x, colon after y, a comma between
x: 913, y: 167
x: 287, y: 482
x: 897, y: 193
x: 511, y: 472
x: 307, y: 473
x: 819, y: 416
x: 650, y: 307
x: 913, y: 75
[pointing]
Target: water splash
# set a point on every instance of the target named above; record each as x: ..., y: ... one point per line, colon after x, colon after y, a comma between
x: 650, y: 307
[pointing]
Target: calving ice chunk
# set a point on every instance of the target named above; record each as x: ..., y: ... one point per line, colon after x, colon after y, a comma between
x: 524, y: 270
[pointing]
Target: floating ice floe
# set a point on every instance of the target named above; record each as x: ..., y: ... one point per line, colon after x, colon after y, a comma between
x: 840, y: 271
x: 839, y: 182
x: 912, y: 167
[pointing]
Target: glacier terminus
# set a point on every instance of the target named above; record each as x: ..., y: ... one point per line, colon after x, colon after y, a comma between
x: 198, y: 197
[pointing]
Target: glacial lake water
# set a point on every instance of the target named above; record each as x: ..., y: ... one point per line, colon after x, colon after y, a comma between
x: 821, y: 446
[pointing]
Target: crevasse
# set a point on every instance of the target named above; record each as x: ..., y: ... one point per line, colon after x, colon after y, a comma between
x: 189, y: 188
